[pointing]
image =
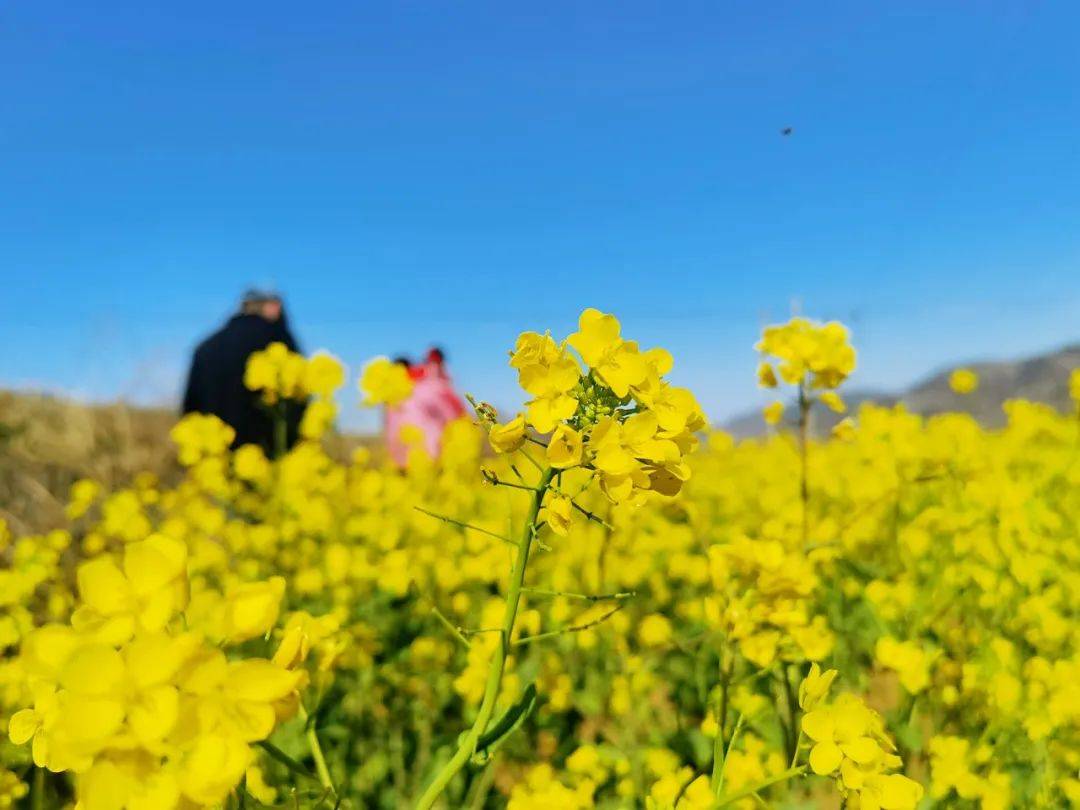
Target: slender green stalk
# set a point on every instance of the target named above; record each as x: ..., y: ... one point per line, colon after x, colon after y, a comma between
x: 727, y: 755
x: 463, y: 525
x: 588, y: 597
x: 804, y: 482
x: 718, y: 741
x: 317, y: 753
x: 721, y: 711
x: 480, y: 790
x: 467, y: 745
x: 577, y: 628
x: 790, y: 773
x: 281, y: 438
x: 37, y: 794
x: 454, y: 629
x: 792, y: 727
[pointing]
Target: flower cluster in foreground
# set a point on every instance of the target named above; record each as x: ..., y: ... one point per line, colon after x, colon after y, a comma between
x: 140, y: 702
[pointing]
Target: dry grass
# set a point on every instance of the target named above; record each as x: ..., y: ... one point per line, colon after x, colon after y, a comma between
x: 47, y: 443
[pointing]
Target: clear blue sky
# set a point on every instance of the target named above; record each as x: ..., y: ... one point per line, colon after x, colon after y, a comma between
x: 457, y: 172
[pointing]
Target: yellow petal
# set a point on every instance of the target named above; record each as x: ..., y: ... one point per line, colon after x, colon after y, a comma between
x: 22, y: 726
x: 95, y: 669
x: 862, y: 750
x: 818, y: 725
x: 154, y: 714
x: 103, y: 586
x: 259, y: 680
x: 825, y: 757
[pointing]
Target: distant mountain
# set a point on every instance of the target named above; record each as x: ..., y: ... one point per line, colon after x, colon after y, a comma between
x: 1042, y: 378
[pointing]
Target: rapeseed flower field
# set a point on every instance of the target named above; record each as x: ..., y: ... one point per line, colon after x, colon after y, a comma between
x: 593, y: 602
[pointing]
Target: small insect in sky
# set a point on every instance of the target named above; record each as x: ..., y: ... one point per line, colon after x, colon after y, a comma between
x: 787, y: 131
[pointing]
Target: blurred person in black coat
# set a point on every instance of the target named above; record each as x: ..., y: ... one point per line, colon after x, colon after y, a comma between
x: 216, y: 380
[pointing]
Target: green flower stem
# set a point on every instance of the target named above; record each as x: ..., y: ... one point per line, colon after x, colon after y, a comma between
x: 719, y: 710
x: 790, y: 773
x: 588, y: 597
x: 317, y: 753
x: 718, y: 778
x: 467, y: 745
x: 793, y: 726
x: 463, y: 525
x: 281, y: 438
x: 804, y: 449
x: 454, y: 629
x: 37, y: 796
x: 577, y: 628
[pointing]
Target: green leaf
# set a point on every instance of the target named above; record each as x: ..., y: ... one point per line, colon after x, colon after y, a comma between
x: 495, y: 736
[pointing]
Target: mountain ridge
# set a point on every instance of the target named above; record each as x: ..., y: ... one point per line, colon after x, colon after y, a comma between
x: 1039, y: 378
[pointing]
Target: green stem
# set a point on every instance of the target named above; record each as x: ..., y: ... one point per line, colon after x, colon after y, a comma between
x: 587, y: 597
x: 321, y: 769
x: 727, y: 754
x: 482, y: 788
x: 454, y: 629
x: 467, y: 745
x: 463, y: 525
x: 720, y: 709
x: 793, y: 715
x: 790, y: 773
x: 37, y: 796
x: 577, y: 628
x: 804, y: 479
x: 281, y: 438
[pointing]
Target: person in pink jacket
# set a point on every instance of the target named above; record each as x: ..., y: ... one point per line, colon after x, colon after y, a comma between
x: 433, y: 404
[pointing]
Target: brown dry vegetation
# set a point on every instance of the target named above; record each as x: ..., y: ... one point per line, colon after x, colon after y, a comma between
x: 47, y: 443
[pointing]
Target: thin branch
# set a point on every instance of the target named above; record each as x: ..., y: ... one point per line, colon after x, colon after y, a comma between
x: 494, y: 480
x: 790, y: 773
x: 727, y: 754
x: 590, y: 515
x: 462, y: 524
x: 588, y: 597
x: 566, y: 630
x: 453, y: 628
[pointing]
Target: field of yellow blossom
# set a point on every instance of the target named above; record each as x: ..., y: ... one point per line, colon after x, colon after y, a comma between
x: 593, y: 603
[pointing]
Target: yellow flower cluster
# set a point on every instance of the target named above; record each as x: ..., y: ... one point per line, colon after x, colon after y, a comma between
x: 814, y: 357
x: 384, y: 382
x: 963, y: 381
x: 283, y: 375
x: 807, y: 353
x: 145, y: 712
x: 761, y: 602
x: 953, y: 765
x: 197, y: 437
x: 611, y: 412
x: 849, y: 741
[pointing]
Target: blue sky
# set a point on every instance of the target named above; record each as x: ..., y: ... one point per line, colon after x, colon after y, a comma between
x: 457, y: 172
